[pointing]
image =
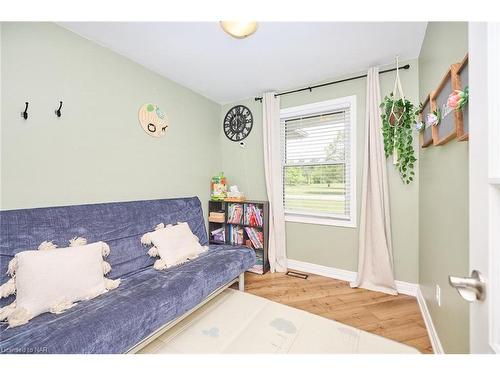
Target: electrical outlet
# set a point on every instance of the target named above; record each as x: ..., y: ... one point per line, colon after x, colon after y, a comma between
x: 438, y: 295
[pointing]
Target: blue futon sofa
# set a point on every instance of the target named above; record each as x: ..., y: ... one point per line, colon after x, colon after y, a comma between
x: 146, y: 300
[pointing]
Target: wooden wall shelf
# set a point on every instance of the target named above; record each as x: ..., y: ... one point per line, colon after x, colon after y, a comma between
x: 453, y: 124
x: 426, y: 138
x: 462, y: 70
x: 446, y: 130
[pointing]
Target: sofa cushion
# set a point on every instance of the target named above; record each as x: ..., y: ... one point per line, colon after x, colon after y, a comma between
x: 175, y: 244
x: 54, y: 279
x: 120, y: 225
x: 146, y: 300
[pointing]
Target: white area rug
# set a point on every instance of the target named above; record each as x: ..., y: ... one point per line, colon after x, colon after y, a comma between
x: 236, y: 322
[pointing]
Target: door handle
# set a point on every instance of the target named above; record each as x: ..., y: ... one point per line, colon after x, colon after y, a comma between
x: 471, y: 288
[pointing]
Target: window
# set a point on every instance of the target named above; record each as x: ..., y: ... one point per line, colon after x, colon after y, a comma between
x: 319, y: 171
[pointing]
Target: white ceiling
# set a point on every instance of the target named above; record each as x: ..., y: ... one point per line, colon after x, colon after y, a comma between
x: 279, y: 56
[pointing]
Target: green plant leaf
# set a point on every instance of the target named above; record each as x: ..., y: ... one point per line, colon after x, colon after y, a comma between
x: 399, y: 135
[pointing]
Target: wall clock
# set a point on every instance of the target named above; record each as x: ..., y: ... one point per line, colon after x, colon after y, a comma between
x: 238, y: 123
x: 153, y: 120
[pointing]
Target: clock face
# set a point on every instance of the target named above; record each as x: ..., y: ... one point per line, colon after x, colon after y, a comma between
x: 238, y: 123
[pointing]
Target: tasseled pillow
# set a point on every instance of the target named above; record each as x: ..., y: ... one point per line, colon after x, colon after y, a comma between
x: 92, y: 280
x: 174, y: 244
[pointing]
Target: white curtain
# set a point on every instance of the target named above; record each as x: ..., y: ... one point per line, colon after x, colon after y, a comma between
x: 274, y: 181
x: 375, y: 269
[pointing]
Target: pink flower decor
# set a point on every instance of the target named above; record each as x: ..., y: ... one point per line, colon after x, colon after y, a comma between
x: 458, y: 99
x: 453, y: 100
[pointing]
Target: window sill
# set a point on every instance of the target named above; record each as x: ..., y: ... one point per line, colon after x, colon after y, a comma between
x: 320, y: 221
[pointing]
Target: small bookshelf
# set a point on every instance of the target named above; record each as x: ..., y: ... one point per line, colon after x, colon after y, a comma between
x: 241, y: 224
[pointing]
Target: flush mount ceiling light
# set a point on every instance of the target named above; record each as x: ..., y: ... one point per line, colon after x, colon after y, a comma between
x: 239, y: 30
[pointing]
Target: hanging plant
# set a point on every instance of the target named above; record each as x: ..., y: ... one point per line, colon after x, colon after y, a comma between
x: 398, y: 117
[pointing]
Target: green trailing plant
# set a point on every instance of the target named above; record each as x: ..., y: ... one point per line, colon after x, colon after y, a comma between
x: 398, y: 117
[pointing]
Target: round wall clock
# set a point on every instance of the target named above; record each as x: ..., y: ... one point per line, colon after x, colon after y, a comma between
x: 153, y: 120
x: 238, y: 123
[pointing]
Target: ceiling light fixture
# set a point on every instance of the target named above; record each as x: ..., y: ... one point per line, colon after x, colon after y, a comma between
x: 239, y: 30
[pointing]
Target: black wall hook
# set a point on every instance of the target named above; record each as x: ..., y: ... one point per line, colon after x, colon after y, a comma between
x: 58, y: 111
x: 24, y: 114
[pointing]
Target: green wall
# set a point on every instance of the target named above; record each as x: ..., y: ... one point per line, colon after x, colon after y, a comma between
x: 329, y: 245
x: 443, y: 198
x: 96, y: 152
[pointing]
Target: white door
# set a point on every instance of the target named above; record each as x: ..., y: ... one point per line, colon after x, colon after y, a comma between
x: 484, y: 187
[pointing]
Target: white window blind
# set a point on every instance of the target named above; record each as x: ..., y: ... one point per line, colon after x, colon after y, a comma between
x: 317, y: 168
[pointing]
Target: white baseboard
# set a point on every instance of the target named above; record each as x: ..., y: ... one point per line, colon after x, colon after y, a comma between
x: 435, y: 342
x: 403, y: 287
x: 334, y: 273
x: 409, y: 289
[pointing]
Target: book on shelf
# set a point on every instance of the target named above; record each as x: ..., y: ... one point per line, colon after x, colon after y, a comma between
x: 258, y: 267
x: 217, y: 231
x: 235, y: 234
x: 256, y: 237
x: 234, y: 213
x: 218, y: 235
x: 253, y: 215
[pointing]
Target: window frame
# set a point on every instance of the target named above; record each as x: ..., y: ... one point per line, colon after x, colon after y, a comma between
x: 317, y: 108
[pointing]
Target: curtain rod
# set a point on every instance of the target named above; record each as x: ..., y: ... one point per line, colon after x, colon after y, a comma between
x: 407, y: 66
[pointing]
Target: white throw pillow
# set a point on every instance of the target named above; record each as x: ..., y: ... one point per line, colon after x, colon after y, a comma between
x: 52, y: 280
x: 175, y: 244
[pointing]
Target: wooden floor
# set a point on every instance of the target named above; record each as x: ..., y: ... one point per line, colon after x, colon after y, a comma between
x: 395, y: 317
